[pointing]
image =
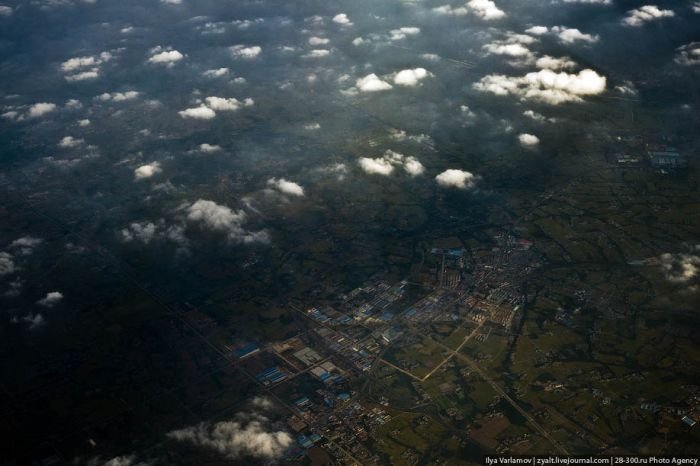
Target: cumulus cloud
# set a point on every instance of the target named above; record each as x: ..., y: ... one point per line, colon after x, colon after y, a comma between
x: 680, y: 268
x: 590, y: 2
x: 411, y: 77
x: 227, y: 104
x: 165, y: 57
x: 545, y: 85
x: 6, y: 10
x: 639, y: 16
x: 537, y: 30
x: 538, y: 116
x: 84, y: 68
x: 40, y: 109
x: 7, y: 264
x: 455, y: 178
x: 246, y: 436
x: 147, y: 171
x: 403, y: 32
x: 385, y: 164
x: 317, y: 53
x: 485, y: 9
x: 25, y: 245
x: 209, y: 148
x: 216, y: 73
x: 372, y: 83
x: 286, y: 187
x: 316, y: 41
x: 552, y: 63
x: 35, y: 321
x: 342, y: 19
x: 450, y: 10
x: 199, y: 113
x: 571, y: 35
x: 146, y: 232
x: 70, y: 142
x: 696, y: 7
x: 221, y: 218
x: 246, y: 53
x: 51, y: 299
x: 528, y: 140
x: 688, y: 54
x: 118, y: 96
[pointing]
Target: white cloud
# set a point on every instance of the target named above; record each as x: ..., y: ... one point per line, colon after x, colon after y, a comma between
x: 5, y: 10
x: 25, y: 245
x: 645, y: 14
x: 411, y: 78
x: 147, y: 171
x: 7, y: 264
x: 538, y: 116
x: 571, y: 35
x: 76, y: 63
x: 199, y: 113
x: 171, y: 2
x: 247, y: 53
x: 84, y: 122
x: 696, y: 7
x: 403, y: 32
x: 84, y: 75
x: 385, y: 165
x: 70, y: 142
x: 312, y: 126
x: 449, y: 10
x: 485, y: 9
x: 227, y: 104
x: 222, y: 218
x: 537, y: 30
x: 339, y: 170
x: 118, y: 96
x: 40, y: 109
x: 286, y: 187
x: 545, y: 85
x: 342, y: 19
x: 209, y: 148
x: 378, y: 166
x: 166, y: 57
x: 626, y: 88
x: 35, y: 321
x: 146, y: 232
x: 454, y: 178
x: 216, y: 73
x: 552, y: 63
x: 317, y: 53
x: 688, y: 54
x: 372, y: 83
x: 316, y: 41
x: 528, y: 140
x: 246, y: 436
x: 680, y: 268
x: 51, y: 299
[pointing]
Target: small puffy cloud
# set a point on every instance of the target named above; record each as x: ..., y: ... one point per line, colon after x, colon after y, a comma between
x: 696, y: 7
x: 227, y: 104
x: 51, y: 299
x: 385, y: 165
x: 552, y: 63
x: 455, y: 178
x: 34, y: 321
x: 166, y: 57
x: 247, y: 53
x: 216, y: 73
x: 286, y: 187
x: 25, y: 245
x: 209, y: 148
x: 590, y: 2
x: 84, y: 75
x: 639, y: 16
x: 338, y: 170
x: 545, y: 85
x: 680, y: 268
x: 316, y: 41
x: 147, y: 171
x: 372, y: 83
x: 6, y: 10
x: 247, y: 436
x: 40, y: 109
x: 221, y: 218
x: 84, y: 122
x: 538, y: 116
x: 411, y: 78
x: 485, y: 9
x: 74, y: 64
x: 528, y: 140
x: 449, y: 10
x: 171, y: 2
x: 571, y: 35
x: 688, y: 54
x: 342, y: 19
x: 146, y: 232
x: 312, y: 126
x: 118, y: 96
x: 626, y: 88
x: 7, y: 264
x: 403, y: 32
x: 317, y: 53
x: 70, y: 142
x: 537, y: 30
x: 198, y: 113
